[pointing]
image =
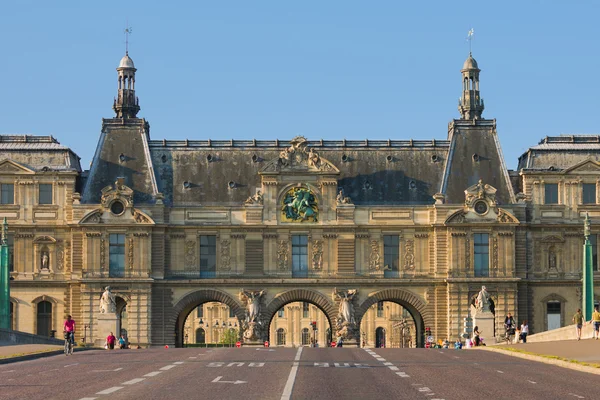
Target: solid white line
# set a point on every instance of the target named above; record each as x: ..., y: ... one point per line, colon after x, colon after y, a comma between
x: 168, y: 367
x: 110, y: 390
x: 133, y: 381
x: 289, y: 385
x: 192, y: 357
x: 117, y: 369
x: 70, y: 365
x: 153, y: 373
x: 178, y: 362
x: 88, y: 398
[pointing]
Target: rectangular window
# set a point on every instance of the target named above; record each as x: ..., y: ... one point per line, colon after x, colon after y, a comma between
x: 201, y: 311
x: 551, y: 193
x: 116, y: 264
x: 553, y: 312
x: 299, y: 256
x: 231, y: 313
x: 594, y: 242
x: 589, y: 193
x: 10, y: 241
x: 281, y: 313
x: 380, y: 309
x: 45, y: 194
x: 391, y: 255
x: 482, y: 254
x: 305, y: 309
x: 208, y: 256
x: 7, y: 193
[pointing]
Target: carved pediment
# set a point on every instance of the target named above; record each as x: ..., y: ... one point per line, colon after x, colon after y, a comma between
x: 552, y: 239
x: 94, y: 217
x: 117, y: 191
x: 99, y: 216
x: 11, y: 167
x: 299, y: 157
x: 44, y: 239
x: 588, y: 165
x: 506, y: 217
x: 480, y: 191
x: 457, y: 217
x: 497, y: 215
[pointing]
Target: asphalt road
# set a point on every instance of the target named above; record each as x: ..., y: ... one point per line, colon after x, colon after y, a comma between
x: 282, y: 373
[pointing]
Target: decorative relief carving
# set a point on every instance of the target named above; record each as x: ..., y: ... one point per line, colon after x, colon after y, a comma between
x: 342, y: 199
x: 495, y: 253
x: 330, y: 235
x: 102, y: 253
x: 238, y: 236
x: 190, y: 255
x: 60, y: 257
x: 67, y: 254
x: 177, y: 236
x: 374, y: 256
x: 141, y: 234
x: 505, y: 217
x: 140, y: 218
x: 299, y: 205
x: 93, y: 234
x: 468, y: 253
x: 505, y: 234
x: 94, y: 217
x: 24, y: 236
x: 317, y: 257
x: 409, y: 255
x: 299, y: 157
x: 459, y: 234
x: 282, y: 254
x: 421, y: 235
x: 362, y: 236
x: 130, y: 253
x: 225, y: 253
x: 269, y: 236
x: 257, y: 199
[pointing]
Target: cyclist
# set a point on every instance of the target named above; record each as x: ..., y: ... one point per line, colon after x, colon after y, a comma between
x: 69, y: 330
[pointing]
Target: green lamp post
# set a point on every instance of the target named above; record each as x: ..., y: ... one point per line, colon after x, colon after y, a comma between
x: 588, y: 273
x: 4, y: 279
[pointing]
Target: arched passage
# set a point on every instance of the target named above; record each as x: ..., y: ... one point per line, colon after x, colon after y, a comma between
x: 189, y: 302
x: 303, y: 296
x: 414, y: 305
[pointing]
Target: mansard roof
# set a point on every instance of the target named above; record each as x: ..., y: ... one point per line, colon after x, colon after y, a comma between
x: 371, y: 172
x: 39, y: 153
x: 557, y: 153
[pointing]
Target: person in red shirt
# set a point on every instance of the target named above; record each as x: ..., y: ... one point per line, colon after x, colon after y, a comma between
x: 110, y: 341
x: 69, y: 329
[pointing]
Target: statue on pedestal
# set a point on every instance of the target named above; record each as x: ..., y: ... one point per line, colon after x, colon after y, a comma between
x: 482, y: 303
x: 252, y: 325
x: 45, y: 260
x: 108, y: 304
x: 345, y: 324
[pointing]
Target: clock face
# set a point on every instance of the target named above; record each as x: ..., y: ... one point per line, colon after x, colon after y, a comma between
x: 481, y: 207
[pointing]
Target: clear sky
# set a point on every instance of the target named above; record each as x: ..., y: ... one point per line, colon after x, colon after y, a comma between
x: 322, y: 69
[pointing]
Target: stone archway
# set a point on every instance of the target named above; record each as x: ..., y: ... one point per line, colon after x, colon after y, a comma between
x: 411, y: 302
x: 299, y: 295
x: 192, y: 300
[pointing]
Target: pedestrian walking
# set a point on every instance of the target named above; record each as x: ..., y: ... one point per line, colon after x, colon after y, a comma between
x: 524, y: 331
x: 122, y: 342
x: 340, y: 342
x: 596, y: 322
x: 578, y: 321
x: 110, y: 342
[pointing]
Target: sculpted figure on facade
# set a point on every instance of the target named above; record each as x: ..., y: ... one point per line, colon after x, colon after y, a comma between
x: 346, y: 323
x: 282, y: 254
x: 374, y: 256
x: 317, y: 258
x: 45, y: 260
x: 256, y: 199
x: 108, y: 303
x: 482, y: 303
x: 252, y: 325
x: 300, y: 205
x: 341, y: 199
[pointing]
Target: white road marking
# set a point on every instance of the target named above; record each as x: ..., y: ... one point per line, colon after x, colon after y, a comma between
x: 88, y: 398
x: 133, y: 381
x: 404, y: 375
x: 576, y: 395
x: 289, y: 385
x: 193, y: 357
x: 393, y: 368
x: 380, y: 359
x: 218, y: 380
x: 4, y: 372
x: 117, y: 369
x: 237, y: 364
x: 500, y: 372
x: 260, y: 364
x: 70, y: 365
x: 424, y: 389
x: 387, y: 363
x: 456, y: 357
x: 110, y: 390
x: 324, y: 365
x: 167, y: 367
x: 153, y: 373
x: 178, y: 362
x: 531, y: 382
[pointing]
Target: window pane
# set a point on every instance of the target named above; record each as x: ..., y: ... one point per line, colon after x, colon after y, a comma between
x: 551, y: 193
x: 589, y: 193
x: 7, y: 195
x: 116, y: 258
x: 299, y: 256
x: 554, y: 307
x: 45, y: 194
x: 391, y: 255
x: 481, y: 254
x: 208, y: 256
x: 281, y: 313
x: 200, y: 311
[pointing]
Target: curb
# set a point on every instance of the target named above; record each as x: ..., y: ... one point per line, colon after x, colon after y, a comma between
x: 545, y: 360
x: 33, y: 356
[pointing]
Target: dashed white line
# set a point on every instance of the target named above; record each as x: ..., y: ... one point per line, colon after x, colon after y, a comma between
x: 70, y: 365
x: 178, y: 362
x: 531, y: 381
x: 110, y: 390
x: 387, y: 363
x: 133, y: 381
x: 88, y: 398
x: 576, y: 395
x: 167, y: 367
x: 193, y: 357
x: 149, y: 374
x: 5, y: 372
x: 500, y: 372
x: 380, y: 359
x: 117, y: 369
x: 394, y: 368
x: 289, y: 385
x: 402, y: 375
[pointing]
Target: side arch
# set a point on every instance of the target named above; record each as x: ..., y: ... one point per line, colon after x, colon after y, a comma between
x: 411, y: 302
x: 192, y: 300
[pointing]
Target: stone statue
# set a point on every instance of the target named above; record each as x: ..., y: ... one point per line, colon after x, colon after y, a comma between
x: 552, y: 260
x: 256, y: 199
x: 341, y: 199
x: 108, y: 302
x: 346, y: 309
x: 252, y: 299
x: 45, y: 260
x: 482, y: 303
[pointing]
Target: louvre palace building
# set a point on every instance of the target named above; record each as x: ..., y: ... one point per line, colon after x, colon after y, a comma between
x: 263, y: 235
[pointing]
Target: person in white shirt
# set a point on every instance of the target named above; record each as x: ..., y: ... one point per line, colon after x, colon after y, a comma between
x: 524, y: 331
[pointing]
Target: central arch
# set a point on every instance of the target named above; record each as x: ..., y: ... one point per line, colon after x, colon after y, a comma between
x: 192, y: 300
x: 411, y: 302
x: 300, y: 295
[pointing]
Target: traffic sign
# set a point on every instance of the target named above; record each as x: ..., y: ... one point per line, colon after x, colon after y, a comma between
x: 266, y: 343
x: 238, y: 344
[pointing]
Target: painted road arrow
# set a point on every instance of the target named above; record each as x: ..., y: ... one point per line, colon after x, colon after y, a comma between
x: 218, y: 379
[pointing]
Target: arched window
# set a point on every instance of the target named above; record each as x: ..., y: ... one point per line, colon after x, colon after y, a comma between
x: 305, y: 337
x: 280, y: 337
x: 44, y: 318
x: 200, y: 335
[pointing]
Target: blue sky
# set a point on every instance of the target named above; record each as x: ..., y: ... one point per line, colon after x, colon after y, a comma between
x: 322, y: 69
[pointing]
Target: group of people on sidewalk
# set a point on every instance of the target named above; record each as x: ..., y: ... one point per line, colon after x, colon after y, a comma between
x: 579, y: 321
x: 513, y: 330
x: 111, y: 340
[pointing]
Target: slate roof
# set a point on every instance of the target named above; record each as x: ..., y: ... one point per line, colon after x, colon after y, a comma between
x: 39, y: 152
x: 411, y: 175
x: 560, y: 152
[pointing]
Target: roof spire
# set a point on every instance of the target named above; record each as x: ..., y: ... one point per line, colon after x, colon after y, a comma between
x: 470, y: 105
x: 127, y: 32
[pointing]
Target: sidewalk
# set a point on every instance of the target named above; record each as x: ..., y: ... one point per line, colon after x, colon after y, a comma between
x: 10, y: 351
x: 583, y: 355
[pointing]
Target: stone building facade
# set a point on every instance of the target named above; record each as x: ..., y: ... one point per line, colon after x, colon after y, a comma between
x: 342, y: 225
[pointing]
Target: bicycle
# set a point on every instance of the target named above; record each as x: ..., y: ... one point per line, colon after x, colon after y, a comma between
x: 69, y: 343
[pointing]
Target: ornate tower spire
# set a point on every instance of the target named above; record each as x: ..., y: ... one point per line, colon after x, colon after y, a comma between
x: 470, y: 105
x: 126, y: 104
